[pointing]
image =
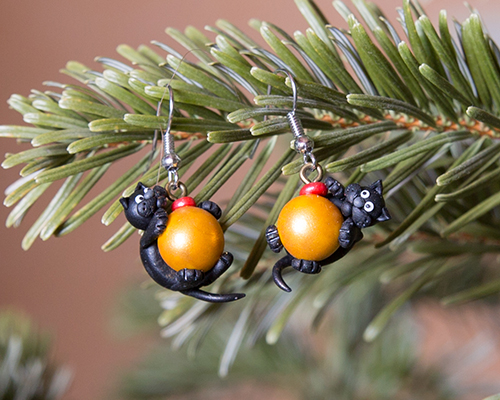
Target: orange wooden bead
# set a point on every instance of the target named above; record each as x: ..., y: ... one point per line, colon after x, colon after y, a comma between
x: 309, y: 227
x: 193, y: 239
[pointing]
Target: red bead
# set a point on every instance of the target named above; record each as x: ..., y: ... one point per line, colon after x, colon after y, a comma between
x: 318, y: 188
x: 183, y: 202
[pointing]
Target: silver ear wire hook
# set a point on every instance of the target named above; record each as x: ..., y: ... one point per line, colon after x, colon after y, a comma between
x: 170, y: 160
x: 303, y: 144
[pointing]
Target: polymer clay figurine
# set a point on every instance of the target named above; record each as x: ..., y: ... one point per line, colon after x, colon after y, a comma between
x: 322, y: 224
x: 182, y: 250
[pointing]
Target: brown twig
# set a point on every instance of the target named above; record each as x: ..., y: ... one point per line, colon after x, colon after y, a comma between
x: 475, y: 127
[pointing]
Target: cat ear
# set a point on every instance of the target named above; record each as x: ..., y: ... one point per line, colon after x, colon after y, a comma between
x: 384, y: 215
x: 140, y: 186
x: 377, y: 186
x: 124, y: 202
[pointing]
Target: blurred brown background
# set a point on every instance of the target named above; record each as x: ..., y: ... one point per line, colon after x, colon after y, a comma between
x: 68, y: 285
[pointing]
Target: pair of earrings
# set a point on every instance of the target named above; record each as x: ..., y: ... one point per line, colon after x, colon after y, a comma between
x: 183, y: 250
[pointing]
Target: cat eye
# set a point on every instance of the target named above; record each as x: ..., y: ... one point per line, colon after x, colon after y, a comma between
x: 365, y: 194
x: 368, y: 205
x: 139, y: 198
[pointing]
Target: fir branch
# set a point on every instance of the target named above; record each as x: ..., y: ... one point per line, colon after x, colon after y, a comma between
x: 420, y: 112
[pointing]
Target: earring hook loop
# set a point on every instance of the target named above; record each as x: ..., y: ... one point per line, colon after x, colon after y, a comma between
x: 303, y: 144
x: 294, y: 87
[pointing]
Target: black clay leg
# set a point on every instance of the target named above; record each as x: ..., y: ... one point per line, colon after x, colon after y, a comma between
x: 280, y: 265
x: 156, y: 227
x: 190, y: 277
x: 306, y: 266
x: 211, y: 207
x: 160, y: 191
x: 273, y: 238
x: 158, y: 269
x: 334, y: 187
x: 220, y: 267
x: 349, y: 234
x: 225, y: 261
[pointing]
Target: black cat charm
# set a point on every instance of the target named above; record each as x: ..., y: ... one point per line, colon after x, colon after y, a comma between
x: 189, y: 239
x: 322, y: 225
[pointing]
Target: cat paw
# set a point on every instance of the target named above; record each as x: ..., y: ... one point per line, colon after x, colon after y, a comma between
x: 191, y: 276
x: 160, y: 220
x: 349, y: 234
x: 306, y: 266
x: 334, y: 187
x: 273, y: 239
x: 211, y: 207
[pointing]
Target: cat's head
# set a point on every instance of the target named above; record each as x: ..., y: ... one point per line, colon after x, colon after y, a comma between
x: 368, y: 205
x: 141, y: 205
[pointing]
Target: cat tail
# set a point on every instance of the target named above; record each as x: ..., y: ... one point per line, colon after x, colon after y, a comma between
x: 280, y: 265
x: 212, y: 297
